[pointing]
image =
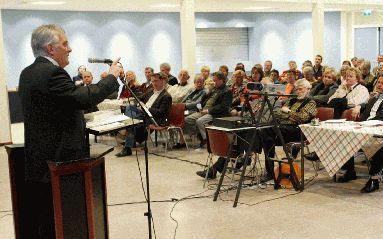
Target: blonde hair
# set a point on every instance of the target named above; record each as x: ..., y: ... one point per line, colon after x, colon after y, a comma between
x: 135, y: 82
x: 356, y: 71
x: 332, y: 71
x: 205, y: 68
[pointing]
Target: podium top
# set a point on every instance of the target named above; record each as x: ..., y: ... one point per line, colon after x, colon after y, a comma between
x: 96, y: 151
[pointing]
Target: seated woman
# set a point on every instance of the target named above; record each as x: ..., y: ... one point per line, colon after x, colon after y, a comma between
x: 350, y: 95
x: 325, y: 89
x: 133, y: 85
x: 191, y: 101
x: 295, y: 111
x: 237, y: 88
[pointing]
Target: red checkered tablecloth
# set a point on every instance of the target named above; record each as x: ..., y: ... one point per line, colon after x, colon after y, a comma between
x: 336, y: 143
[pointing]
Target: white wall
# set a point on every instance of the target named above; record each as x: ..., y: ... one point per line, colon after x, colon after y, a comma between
x: 141, y: 39
x: 366, y: 44
x: 279, y: 37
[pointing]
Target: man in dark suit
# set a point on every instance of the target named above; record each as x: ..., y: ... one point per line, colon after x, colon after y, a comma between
x: 373, y: 111
x: 215, y: 104
x: 53, y: 118
x: 158, y: 101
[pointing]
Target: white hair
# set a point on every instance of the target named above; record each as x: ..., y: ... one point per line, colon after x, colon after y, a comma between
x: 43, y: 36
x: 303, y: 83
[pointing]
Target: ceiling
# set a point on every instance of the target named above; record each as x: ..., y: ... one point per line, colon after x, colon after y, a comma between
x: 200, y: 5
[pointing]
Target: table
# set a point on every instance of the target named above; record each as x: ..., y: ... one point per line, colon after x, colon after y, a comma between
x: 336, y: 143
x: 234, y: 132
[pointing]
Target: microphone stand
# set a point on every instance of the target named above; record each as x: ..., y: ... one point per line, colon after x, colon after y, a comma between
x: 147, y: 115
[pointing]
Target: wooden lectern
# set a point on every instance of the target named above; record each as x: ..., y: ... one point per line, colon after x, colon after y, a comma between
x: 78, y: 191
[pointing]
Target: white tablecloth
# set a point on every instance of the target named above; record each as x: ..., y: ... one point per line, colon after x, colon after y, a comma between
x: 336, y: 143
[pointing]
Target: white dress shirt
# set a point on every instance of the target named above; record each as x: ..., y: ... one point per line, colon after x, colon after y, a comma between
x: 153, y: 98
x: 375, y: 108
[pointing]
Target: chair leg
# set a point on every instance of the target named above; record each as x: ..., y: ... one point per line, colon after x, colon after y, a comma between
x: 182, y: 135
x: 206, y: 167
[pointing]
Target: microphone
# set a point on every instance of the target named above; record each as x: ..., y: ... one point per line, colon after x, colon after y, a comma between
x: 100, y: 60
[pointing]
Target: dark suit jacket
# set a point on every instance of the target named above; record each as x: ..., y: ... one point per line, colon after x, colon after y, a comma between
x: 222, y: 103
x: 53, y: 115
x: 367, y: 110
x: 160, y: 107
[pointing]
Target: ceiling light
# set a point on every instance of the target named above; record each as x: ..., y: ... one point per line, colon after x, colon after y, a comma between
x: 165, y: 5
x: 47, y: 2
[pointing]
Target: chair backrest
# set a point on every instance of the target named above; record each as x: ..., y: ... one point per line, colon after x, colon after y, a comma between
x: 218, y: 143
x: 176, y: 116
x: 325, y: 113
x: 347, y: 115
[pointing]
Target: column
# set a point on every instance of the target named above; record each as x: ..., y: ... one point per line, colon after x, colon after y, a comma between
x: 347, y: 35
x: 5, y: 122
x: 317, y: 16
x: 188, y: 37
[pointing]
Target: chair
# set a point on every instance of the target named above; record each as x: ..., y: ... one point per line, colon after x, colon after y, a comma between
x: 175, y: 121
x: 347, y: 114
x: 323, y: 114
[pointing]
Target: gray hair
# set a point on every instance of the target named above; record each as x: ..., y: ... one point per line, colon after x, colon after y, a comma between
x: 166, y: 66
x: 43, y: 36
x: 303, y: 83
x: 198, y: 77
x: 308, y: 69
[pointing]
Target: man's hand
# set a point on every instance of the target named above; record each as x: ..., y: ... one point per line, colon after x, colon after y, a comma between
x: 114, y: 68
x: 204, y: 112
x: 355, y: 112
x: 285, y: 109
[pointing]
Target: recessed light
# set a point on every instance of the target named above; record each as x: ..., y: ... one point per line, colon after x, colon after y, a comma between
x: 47, y: 2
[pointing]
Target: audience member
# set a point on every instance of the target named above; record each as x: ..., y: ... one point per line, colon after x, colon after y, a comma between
x: 133, y: 84
x: 379, y: 63
x: 354, y: 62
x: 350, y: 95
x: 325, y: 88
x: 78, y: 78
x: 158, y: 102
x: 165, y: 68
x: 347, y: 63
x: 318, y: 68
x: 195, y: 96
x: 274, y: 76
x: 213, y: 105
x: 368, y: 80
x: 267, y: 67
x: 179, y: 91
x: 292, y: 67
x: 308, y: 74
x: 373, y: 110
x: 205, y: 73
x: 147, y: 85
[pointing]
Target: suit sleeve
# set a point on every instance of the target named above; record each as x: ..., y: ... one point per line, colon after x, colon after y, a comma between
x: 68, y: 95
x: 163, y: 109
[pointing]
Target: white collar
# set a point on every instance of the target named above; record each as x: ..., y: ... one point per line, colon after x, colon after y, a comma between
x: 54, y: 62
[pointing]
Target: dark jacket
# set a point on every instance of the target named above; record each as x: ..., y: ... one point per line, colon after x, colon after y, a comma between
x: 321, y: 93
x: 53, y: 115
x: 160, y: 107
x: 367, y: 110
x: 192, y: 99
x: 222, y: 103
x: 172, y: 80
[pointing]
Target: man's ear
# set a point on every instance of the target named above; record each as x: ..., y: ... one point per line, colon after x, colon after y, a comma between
x: 50, y: 49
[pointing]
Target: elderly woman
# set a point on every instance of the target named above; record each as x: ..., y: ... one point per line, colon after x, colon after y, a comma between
x: 133, y: 84
x: 325, y: 89
x: 349, y: 95
x: 368, y: 78
x: 195, y: 96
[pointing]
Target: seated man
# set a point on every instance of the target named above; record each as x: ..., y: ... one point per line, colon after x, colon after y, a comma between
x: 350, y: 95
x: 182, y: 89
x: 158, y: 102
x: 296, y: 111
x: 147, y: 85
x: 325, y: 88
x: 373, y: 110
x: 214, y: 105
